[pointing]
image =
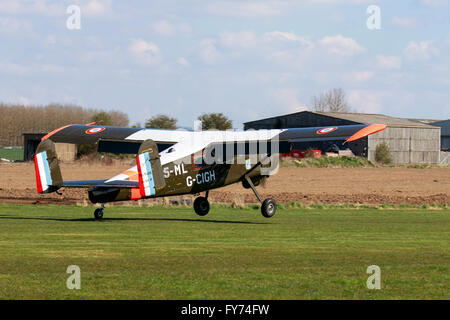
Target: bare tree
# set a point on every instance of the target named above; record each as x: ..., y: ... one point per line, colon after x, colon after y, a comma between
x: 333, y: 100
x: 18, y: 119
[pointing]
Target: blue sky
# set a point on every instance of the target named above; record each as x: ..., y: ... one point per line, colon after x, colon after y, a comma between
x: 248, y: 59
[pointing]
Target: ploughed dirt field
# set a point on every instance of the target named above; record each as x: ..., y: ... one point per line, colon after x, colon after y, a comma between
x: 370, y: 186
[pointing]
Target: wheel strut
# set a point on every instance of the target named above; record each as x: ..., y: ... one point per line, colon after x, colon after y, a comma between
x: 268, y: 206
x: 249, y: 181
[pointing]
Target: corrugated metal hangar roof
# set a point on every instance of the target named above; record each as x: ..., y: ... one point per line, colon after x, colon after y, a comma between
x: 365, y: 118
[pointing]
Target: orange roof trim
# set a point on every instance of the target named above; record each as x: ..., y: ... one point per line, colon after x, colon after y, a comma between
x: 371, y: 129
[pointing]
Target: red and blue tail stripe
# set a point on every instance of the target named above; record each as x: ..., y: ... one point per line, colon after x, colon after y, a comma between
x: 146, y: 181
x: 43, y: 176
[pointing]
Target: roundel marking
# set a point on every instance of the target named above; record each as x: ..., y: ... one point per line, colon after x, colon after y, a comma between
x: 95, y: 130
x: 326, y: 130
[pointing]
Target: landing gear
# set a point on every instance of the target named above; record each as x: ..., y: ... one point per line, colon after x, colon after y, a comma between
x: 201, y: 205
x: 98, y: 213
x: 268, y: 206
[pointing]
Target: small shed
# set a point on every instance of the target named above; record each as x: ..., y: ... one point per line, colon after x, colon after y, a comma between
x: 65, y: 151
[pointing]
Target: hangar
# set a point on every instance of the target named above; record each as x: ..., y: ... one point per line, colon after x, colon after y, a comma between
x: 410, y: 141
x: 445, y: 134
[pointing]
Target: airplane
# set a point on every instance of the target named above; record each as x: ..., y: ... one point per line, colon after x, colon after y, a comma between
x: 178, y: 162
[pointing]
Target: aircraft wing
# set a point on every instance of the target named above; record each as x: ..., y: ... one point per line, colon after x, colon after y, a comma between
x: 129, y: 140
x: 347, y: 133
x: 115, y: 139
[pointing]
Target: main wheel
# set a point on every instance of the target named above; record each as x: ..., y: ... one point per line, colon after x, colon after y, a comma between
x: 201, y: 206
x: 268, y: 208
x: 98, y: 213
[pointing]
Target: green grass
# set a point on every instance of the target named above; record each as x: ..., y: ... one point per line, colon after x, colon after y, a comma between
x: 327, y: 162
x: 170, y: 253
x: 11, y: 154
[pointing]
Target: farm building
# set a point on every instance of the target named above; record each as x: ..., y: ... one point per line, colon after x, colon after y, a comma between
x: 410, y: 141
x: 445, y: 134
x: 65, y: 151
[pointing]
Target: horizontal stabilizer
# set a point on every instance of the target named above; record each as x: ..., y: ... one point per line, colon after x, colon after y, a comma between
x: 100, y: 183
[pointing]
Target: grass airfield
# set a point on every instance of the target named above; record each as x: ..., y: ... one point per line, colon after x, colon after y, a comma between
x: 171, y: 253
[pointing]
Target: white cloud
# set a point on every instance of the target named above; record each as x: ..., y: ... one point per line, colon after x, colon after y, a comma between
x: 146, y: 53
x: 96, y: 8
x: 168, y: 29
x: 268, y: 8
x: 246, y: 9
x: 436, y: 2
x: 406, y: 23
x: 289, y: 100
x: 366, y: 101
x: 342, y: 46
x: 11, y: 25
x: 239, y: 39
x: 208, y: 51
x: 389, y: 62
x: 11, y: 7
x: 286, y: 36
x: 358, y: 76
x: 25, y: 70
x: 41, y: 7
x: 183, y: 62
x: 420, y: 51
x: 164, y: 28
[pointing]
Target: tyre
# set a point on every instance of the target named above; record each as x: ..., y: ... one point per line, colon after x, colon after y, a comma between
x: 268, y: 208
x: 98, y: 214
x: 201, y: 206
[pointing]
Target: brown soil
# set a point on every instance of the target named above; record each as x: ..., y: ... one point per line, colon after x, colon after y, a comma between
x: 305, y: 185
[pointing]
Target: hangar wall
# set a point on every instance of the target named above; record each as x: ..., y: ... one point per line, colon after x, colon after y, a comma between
x: 408, y: 145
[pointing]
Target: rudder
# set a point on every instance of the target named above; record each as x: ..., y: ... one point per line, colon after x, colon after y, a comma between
x: 149, y: 167
x: 48, y: 173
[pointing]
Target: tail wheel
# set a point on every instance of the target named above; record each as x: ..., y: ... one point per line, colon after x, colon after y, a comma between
x: 201, y: 206
x: 268, y: 208
x: 98, y: 213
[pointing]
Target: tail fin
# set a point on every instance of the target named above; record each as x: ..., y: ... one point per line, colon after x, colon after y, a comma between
x: 48, y: 174
x: 150, y: 172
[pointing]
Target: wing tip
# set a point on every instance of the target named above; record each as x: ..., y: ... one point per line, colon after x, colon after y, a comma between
x: 364, y: 132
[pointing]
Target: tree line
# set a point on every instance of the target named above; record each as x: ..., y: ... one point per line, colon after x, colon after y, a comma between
x: 18, y: 119
x: 210, y: 121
